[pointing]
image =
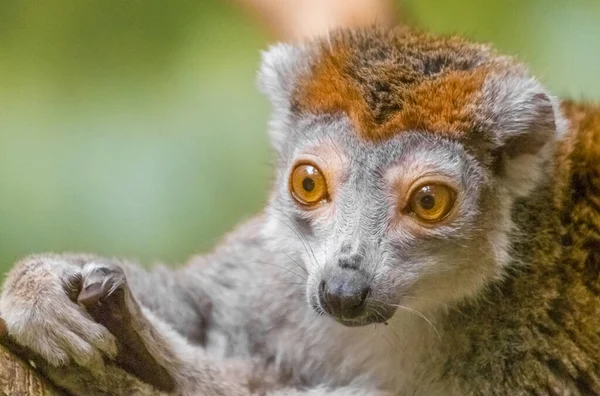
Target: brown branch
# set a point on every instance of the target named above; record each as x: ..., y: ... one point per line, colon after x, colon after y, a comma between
x: 17, y: 377
x: 23, y: 373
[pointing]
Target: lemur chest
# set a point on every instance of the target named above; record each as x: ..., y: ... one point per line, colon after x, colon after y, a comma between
x: 311, y: 350
x: 400, y: 357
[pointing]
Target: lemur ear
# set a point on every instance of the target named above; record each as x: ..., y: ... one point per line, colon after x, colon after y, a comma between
x: 524, y: 120
x: 281, y: 66
x: 521, y: 113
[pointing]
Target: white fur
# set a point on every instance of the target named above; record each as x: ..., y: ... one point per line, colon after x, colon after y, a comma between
x: 278, y: 73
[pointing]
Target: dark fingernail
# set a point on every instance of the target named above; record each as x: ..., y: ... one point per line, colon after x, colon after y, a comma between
x: 90, y: 294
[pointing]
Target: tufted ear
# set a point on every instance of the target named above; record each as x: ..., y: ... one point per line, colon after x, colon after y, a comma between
x: 524, y: 121
x: 282, y: 65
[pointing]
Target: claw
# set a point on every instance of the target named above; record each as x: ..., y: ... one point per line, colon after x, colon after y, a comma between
x: 91, y: 294
x: 99, y: 283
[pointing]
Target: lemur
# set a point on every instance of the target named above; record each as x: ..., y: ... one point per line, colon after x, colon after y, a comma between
x: 433, y: 229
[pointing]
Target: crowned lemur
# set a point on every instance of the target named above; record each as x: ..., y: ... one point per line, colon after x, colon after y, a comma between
x: 433, y: 229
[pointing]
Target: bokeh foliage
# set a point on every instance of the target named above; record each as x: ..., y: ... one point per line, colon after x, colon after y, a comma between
x: 134, y: 128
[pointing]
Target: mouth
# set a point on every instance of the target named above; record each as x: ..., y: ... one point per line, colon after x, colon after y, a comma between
x: 371, y: 315
x: 367, y: 319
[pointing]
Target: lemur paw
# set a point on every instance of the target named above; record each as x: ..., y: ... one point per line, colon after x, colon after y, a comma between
x: 43, y: 301
x: 100, y: 281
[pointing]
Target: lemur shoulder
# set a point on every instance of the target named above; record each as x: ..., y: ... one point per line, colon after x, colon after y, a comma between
x: 433, y: 229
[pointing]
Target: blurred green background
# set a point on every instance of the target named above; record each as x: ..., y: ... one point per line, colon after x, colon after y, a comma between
x: 134, y: 128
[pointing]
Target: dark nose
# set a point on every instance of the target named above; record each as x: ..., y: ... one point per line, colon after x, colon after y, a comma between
x: 344, y: 293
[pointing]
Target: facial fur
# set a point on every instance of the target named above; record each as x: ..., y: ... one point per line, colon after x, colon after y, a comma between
x: 378, y: 112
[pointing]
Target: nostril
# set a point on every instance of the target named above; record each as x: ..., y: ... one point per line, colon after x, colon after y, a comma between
x: 365, y: 293
x: 331, y: 300
x: 323, y: 293
x: 322, y: 287
x: 343, y: 296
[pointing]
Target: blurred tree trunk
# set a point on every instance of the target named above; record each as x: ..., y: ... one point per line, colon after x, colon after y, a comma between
x: 300, y: 19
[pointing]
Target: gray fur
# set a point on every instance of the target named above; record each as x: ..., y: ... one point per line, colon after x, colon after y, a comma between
x: 255, y: 297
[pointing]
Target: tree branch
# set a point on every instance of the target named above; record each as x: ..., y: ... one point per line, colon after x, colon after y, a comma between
x: 24, y: 373
x: 18, y: 377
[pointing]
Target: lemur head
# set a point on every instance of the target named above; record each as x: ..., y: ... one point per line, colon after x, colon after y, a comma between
x: 400, y: 155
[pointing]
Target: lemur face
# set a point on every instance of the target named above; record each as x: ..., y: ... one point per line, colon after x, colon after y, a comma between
x: 400, y: 157
x: 387, y: 222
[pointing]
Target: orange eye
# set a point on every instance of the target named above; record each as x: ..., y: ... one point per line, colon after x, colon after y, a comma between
x: 308, y: 185
x: 431, y: 203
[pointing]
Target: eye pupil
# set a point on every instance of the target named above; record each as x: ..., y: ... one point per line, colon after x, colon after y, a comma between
x: 308, y: 184
x: 427, y: 202
x: 431, y: 203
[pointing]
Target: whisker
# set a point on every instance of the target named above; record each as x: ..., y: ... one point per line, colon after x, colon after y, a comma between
x: 419, y: 314
x: 283, y: 268
x: 440, y: 303
x: 396, y: 337
x: 295, y: 262
x: 298, y: 231
x: 300, y: 236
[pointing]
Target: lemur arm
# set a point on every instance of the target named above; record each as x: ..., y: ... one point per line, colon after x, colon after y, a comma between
x: 150, y: 349
x: 170, y: 296
x: 193, y: 371
x: 75, y: 311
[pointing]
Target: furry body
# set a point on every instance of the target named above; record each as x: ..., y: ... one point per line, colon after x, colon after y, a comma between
x: 502, y: 298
